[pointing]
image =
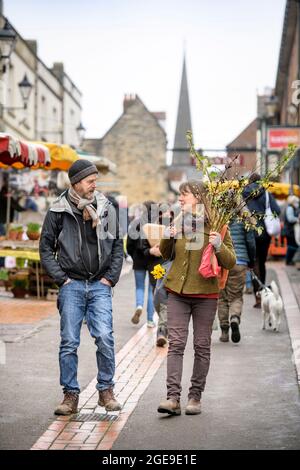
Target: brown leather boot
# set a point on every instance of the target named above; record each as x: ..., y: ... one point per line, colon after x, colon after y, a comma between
x: 108, y: 400
x: 69, y: 404
x: 161, y: 338
x: 193, y: 407
x: 170, y: 406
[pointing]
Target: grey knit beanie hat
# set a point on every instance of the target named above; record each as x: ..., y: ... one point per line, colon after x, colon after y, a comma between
x: 81, y: 169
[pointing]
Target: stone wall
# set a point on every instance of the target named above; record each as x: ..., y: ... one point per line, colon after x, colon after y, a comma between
x: 137, y: 144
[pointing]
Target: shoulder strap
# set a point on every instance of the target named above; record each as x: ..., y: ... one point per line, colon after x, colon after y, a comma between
x: 267, y: 200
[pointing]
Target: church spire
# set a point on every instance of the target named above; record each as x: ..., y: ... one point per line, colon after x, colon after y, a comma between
x: 181, y: 154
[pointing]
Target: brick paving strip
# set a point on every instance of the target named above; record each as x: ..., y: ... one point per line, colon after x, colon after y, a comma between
x: 292, y: 313
x: 136, y: 365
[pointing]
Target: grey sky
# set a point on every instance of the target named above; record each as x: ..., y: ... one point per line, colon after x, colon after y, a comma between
x: 112, y: 47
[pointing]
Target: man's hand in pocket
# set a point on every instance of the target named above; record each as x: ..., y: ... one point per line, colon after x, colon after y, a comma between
x: 105, y: 281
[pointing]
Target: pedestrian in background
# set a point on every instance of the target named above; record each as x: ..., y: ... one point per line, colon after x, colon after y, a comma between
x: 166, y: 217
x: 256, y: 203
x: 291, y: 218
x: 143, y: 257
x: 191, y: 295
x: 82, y: 250
x: 231, y: 297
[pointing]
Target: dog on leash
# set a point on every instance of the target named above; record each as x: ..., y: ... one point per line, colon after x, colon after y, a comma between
x: 271, y: 306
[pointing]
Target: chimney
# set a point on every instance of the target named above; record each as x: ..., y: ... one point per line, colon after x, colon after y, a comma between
x: 129, y: 99
x: 1, y: 7
x: 58, y: 70
x: 160, y: 116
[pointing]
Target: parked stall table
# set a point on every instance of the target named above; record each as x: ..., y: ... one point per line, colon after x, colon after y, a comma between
x: 25, y: 250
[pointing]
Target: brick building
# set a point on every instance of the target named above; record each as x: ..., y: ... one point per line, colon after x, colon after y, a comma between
x: 278, y: 106
x: 287, y: 80
x: 243, y: 145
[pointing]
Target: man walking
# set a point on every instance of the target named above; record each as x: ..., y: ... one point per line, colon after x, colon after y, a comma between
x: 82, y: 251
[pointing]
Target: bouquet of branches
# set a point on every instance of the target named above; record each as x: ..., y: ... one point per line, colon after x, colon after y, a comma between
x: 223, y: 199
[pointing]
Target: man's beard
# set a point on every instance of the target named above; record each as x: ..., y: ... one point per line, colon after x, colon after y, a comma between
x: 90, y: 195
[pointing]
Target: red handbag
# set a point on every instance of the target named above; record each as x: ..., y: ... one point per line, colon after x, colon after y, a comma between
x: 209, y: 266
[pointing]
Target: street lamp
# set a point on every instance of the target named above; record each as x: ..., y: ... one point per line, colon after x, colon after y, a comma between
x: 25, y: 88
x: 7, y: 43
x: 271, y: 106
x: 268, y: 115
x: 81, y: 133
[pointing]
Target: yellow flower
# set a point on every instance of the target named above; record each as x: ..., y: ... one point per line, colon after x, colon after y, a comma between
x: 158, y: 271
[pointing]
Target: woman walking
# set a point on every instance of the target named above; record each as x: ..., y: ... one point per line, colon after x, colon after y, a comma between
x: 143, y: 260
x: 191, y: 295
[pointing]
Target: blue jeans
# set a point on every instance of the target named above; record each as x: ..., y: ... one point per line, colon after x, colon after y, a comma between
x: 140, y: 277
x: 248, y: 280
x: 91, y: 299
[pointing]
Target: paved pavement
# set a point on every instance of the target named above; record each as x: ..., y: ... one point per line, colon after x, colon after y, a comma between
x: 251, y: 400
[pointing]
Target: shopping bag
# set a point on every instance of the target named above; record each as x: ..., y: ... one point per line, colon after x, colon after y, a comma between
x: 272, y: 223
x: 209, y: 266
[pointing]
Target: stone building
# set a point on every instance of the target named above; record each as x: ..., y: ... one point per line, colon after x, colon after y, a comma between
x: 137, y: 144
x: 54, y: 107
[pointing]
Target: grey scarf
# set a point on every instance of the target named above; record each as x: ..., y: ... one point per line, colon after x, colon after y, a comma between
x: 85, y: 205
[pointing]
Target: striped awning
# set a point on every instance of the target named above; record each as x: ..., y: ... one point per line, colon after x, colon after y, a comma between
x: 20, y: 154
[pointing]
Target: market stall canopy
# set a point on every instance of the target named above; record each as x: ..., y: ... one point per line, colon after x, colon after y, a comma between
x: 279, y: 190
x: 62, y: 156
x: 103, y: 164
x: 283, y: 190
x: 20, y: 154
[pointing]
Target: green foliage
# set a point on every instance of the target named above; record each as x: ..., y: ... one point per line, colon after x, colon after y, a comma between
x: 16, y: 228
x: 20, y: 283
x: 223, y: 199
x: 20, y: 263
x: 4, y: 274
x: 32, y: 227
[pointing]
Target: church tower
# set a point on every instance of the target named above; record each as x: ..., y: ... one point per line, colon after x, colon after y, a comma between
x: 181, y: 154
x: 182, y: 167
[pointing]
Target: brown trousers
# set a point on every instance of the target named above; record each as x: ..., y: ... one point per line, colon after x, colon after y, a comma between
x: 180, y: 310
x: 231, y: 298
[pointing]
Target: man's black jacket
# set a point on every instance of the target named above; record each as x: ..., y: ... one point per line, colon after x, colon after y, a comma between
x: 68, y: 251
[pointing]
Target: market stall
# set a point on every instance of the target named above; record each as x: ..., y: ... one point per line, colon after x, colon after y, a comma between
x: 18, y: 154
x: 27, y: 250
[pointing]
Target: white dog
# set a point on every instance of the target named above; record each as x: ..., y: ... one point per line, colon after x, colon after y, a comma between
x: 271, y: 306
